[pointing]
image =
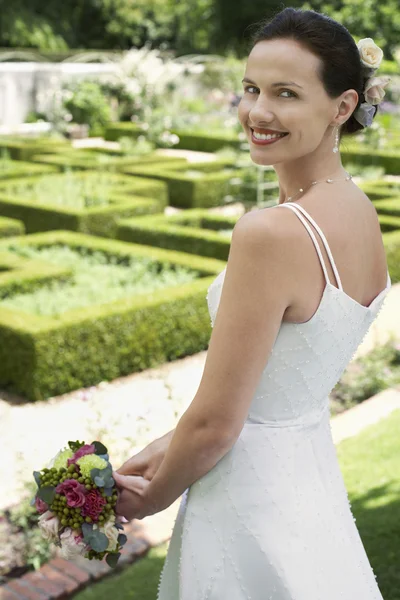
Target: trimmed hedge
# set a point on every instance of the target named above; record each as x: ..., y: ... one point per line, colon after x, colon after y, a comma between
x: 114, y: 131
x: 388, y: 206
x: 188, y: 140
x: 20, y: 148
x: 389, y: 223
x: 390, y: 161
x: 193, y: 187
x: 105, y: 160
x: 128, y: 197
x: 42, y: 357
x: 10, y: 227
x: 13, y: 169
x: 207, y: 142
x: 194, y: 231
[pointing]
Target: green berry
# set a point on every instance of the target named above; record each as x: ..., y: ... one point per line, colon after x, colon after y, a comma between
x: 88, y: 520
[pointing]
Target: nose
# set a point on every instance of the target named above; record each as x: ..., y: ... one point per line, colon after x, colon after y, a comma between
x: 260, y: 114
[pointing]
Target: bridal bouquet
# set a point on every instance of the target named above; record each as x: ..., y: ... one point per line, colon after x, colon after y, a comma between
x: 76, y: 500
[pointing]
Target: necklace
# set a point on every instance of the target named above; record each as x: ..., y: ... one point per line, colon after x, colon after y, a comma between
x: 329, y: 180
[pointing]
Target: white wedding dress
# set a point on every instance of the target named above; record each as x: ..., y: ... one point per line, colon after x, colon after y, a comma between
x: 272, y: 520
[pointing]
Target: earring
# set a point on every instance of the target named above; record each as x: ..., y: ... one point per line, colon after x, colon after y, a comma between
x: 336, y: 146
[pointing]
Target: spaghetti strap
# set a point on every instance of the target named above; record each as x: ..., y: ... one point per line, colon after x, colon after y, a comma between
x: 294, y: 207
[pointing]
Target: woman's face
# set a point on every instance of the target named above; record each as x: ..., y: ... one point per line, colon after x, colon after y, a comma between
x: 283, y: 94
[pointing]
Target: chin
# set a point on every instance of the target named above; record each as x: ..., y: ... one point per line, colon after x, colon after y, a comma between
x: 263, y: 161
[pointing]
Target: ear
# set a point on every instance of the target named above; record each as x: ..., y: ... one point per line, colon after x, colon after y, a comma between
x: 347, y: 105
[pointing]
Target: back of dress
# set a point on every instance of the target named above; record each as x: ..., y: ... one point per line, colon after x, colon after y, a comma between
x: 271, y: 520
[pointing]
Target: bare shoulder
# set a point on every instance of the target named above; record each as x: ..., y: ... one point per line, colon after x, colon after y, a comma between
x: 269, y: 237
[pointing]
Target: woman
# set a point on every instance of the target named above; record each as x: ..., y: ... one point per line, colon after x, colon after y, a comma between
x: 265, y: 513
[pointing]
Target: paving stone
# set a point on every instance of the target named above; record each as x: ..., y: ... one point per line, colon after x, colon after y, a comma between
x: 26, y: 590
x: 62, y: 581
x: 39, y: 581
x: 70, y: 569
x: 7, y: 594
x: 95, y: 568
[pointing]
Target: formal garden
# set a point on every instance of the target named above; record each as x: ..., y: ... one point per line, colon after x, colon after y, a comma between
x: 120, y: 186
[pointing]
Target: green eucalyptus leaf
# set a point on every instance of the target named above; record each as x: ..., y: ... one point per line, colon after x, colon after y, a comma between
x: 94, y: 473
x: 47, y: 493
x: 106, y: 472
x: 99, y: 481
x: 122, y: 539
x: 100, y: 448
x: 108, y: 491
x: 87, y: 530
x: 112, y: 559
x: 37, y: 477
x: 99, y: 541
x: 33, y: 501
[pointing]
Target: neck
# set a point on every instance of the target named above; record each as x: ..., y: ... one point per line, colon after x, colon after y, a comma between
x: 299, y: 173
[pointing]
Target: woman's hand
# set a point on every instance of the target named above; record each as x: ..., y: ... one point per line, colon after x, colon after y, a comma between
x: 147, y: 462
x: 133, y: 502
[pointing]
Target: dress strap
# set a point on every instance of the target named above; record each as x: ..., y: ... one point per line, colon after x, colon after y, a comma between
x: 294, y: 207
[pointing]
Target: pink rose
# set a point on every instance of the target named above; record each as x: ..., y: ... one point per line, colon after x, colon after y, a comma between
x: 40, y: 505
x: 86, y: 449
x: 374, y: 89
x: 49, y: 525
x: 74, y: 491
x: 72, y: 545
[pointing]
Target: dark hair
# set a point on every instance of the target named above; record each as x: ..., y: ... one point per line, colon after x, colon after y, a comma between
x: 341, y: 68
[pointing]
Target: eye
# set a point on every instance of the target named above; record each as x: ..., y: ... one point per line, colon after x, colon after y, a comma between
x: 290, y: 92
x: 250, y: 87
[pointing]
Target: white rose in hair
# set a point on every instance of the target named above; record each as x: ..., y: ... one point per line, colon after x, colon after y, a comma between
x: 370, y: 54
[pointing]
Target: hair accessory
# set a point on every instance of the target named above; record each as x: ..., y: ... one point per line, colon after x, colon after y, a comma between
x: 371, y: 56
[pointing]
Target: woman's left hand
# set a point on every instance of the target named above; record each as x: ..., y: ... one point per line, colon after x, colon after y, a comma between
x: 133, y: 502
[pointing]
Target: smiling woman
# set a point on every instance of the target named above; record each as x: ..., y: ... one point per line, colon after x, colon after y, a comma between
x: 264, y: 513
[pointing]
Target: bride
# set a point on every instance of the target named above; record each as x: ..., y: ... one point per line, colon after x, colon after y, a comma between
x: 264, y: 513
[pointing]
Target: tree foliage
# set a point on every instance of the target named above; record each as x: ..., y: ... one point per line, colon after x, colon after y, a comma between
x: 187, y: 26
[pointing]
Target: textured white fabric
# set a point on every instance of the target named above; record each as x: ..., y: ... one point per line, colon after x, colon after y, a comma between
x: 272, y: 519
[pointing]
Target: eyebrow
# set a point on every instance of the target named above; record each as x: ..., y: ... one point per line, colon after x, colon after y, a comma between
x: 276, y: 84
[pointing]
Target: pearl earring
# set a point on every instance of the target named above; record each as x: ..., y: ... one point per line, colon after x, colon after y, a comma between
x: 336, y: 146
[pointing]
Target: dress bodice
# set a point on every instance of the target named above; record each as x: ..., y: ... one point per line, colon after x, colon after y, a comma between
x: 308, y: 358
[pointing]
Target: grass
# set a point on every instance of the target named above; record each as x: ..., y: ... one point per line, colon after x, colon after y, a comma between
x: 370, y: 463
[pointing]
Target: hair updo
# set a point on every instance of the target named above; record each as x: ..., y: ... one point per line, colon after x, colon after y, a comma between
x: 341, y: 66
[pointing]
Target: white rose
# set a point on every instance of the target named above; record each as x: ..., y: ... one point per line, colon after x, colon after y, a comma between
x: 370, y: 54
x: 111, y: 532
x: 72, y: 545
x: 49, y: 525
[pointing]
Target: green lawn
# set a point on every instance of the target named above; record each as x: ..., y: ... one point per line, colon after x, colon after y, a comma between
x: 370, y: 463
